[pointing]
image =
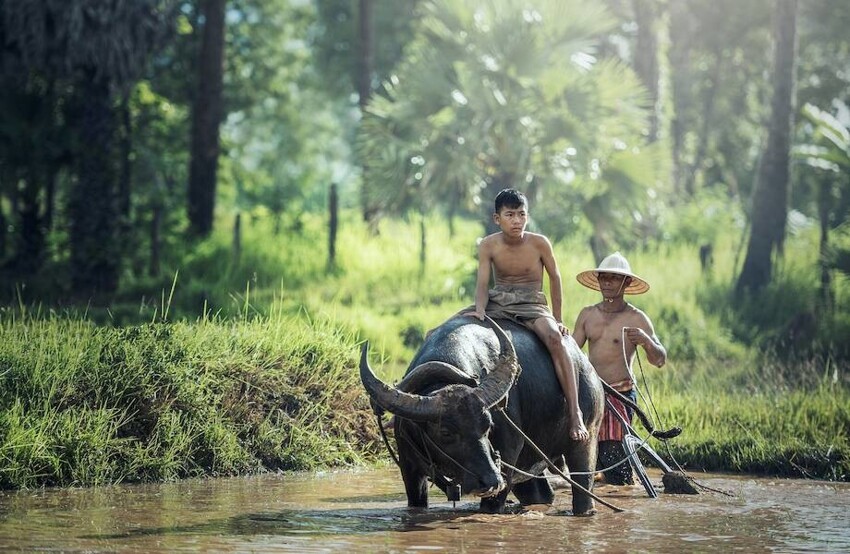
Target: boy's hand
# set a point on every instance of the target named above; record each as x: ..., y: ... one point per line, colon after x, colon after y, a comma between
x: 637, y: 336
x: 474, y: 313
x: 565, y: 332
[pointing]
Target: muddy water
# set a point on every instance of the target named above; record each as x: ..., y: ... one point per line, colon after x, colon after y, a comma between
x: 364, y: 511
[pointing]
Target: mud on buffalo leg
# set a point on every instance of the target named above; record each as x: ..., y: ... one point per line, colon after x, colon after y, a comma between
x: 495, y: 504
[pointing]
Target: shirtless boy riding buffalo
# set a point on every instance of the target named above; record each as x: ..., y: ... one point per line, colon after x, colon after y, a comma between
x: 518, y: 259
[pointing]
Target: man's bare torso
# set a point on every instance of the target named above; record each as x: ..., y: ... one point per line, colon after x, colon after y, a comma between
x: 604, y: 333
x: 517, y: 263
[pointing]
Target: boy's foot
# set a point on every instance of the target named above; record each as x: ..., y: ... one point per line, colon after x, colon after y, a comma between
x: 578, y: 432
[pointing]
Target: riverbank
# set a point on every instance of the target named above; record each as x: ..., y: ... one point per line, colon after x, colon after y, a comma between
x: 88, y: 405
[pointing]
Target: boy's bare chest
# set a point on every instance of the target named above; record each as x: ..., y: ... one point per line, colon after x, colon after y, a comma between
x: 517, y: 262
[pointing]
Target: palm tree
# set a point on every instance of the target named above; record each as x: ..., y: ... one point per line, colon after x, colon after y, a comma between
x: 828, y: 155
x: 500, y: 94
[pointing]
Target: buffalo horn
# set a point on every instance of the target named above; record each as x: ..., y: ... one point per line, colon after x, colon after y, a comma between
x: 499, y: 381
x: 409, y: 406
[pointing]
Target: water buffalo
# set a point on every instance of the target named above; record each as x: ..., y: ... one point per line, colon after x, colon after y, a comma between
x: 449, y: 431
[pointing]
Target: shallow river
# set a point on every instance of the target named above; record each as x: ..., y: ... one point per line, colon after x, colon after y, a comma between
x: 364, y: 511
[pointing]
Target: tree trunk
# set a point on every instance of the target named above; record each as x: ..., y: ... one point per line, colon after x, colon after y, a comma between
x: 126, y: 145
x: 3, y: 232
x: 679, y: 55
x: 707, y: 113
x: 333, y: 225
x: 770, y: 196
x: 237, y: 239
x: 50, y: 196
x: 365, y: 70
x: 366, y: 55
x: 156, y: 241
x: 646, y: 58
x: 29, y: 246
x: 824, y: 203
x: 206, y: 118
x: 94, y: 261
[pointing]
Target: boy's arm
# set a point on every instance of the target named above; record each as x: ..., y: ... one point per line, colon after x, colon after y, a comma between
x: 645, y: 336
x: 547, y: 256
x: 579, y: 334
x: 482, y: 284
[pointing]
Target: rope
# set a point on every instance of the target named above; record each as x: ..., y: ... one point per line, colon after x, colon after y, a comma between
x: 553, y: 467
x: 651, y: 403
x: 386, y: 440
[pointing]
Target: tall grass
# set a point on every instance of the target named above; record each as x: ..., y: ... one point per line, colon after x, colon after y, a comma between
x: 81, y: 404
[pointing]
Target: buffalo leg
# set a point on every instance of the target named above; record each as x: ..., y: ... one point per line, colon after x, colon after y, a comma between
x: 495, y: 504
x: 415, y: 485
x: 534, y: 491
x: 581, y: 461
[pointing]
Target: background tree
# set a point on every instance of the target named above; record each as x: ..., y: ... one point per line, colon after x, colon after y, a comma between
x: 770, y: 199
x: 96, y: 50
x: 207, y: 112
x: 647, y: 15
x: 356, y: 51
x: 828, y: 155
x: 717, y: 93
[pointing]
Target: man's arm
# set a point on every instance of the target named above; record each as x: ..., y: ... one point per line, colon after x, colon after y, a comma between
x: 547, y: 255
x: 645, y: 336
x: 579, y: 334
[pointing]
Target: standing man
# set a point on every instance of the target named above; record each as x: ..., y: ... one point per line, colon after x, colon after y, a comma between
x: 613, y: 329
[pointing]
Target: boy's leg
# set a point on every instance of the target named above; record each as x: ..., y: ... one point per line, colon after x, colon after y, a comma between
x: 547, y: 330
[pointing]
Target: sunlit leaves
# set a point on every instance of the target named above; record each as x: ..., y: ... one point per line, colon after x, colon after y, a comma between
x: 500, y: 89
x: 828, y: 127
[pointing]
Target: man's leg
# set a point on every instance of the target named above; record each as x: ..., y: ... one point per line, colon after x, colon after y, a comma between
x: 610, y: 454
x: 547, y: 330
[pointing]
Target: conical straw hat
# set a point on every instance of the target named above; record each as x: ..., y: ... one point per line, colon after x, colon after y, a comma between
x: 615, y: 263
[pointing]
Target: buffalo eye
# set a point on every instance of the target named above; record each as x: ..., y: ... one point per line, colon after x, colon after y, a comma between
x: 447, y: 433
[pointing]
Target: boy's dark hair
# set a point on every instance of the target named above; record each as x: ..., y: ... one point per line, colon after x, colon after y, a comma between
x: 510, y: 198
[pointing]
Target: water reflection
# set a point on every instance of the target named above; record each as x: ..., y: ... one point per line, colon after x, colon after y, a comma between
x: 364, y: 511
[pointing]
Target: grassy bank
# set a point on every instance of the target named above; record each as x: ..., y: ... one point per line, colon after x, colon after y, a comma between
x: 85, y: 405
x: 147, y: 390
x: 760, y: 416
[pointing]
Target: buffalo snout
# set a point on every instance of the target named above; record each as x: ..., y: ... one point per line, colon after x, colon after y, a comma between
x: 489, y: 486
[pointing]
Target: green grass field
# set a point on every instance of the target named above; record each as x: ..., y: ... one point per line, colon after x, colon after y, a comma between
x: 228, y: 367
